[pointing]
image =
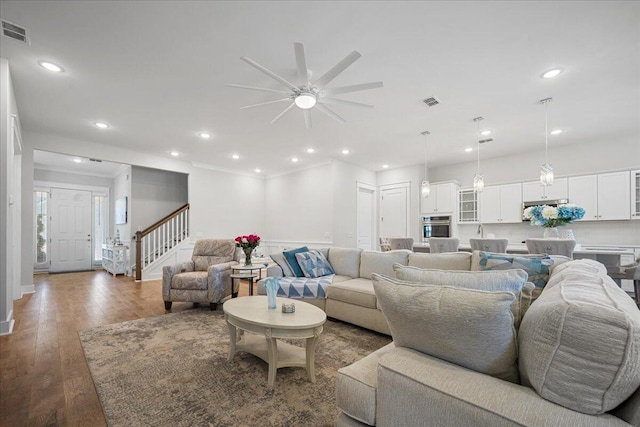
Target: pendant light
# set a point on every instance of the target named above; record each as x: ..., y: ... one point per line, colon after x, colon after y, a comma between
x: 546, y: 170
x: 478, y: 179
x: 425, y: 187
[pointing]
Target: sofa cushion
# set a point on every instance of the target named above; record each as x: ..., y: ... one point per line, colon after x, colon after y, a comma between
x: 381, y: 262
x: 509, y: 280
x: 292, y: 262
x: 536, y: 266
x: 345, y: 261
x: 192, y: 280
x: 443, y: 261
x: 356, y: 387
x: 355, y: 291
x: 468, y: 327
x: 314, y: 264
x: 580, y: 341
x: 278, y: 258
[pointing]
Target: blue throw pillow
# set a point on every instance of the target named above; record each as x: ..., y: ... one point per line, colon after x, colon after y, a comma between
x: 290, y: 256
x: 314, y: 264
x: 536, y: 266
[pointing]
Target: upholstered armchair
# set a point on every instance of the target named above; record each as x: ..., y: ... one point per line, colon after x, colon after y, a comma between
x: 204, y: 279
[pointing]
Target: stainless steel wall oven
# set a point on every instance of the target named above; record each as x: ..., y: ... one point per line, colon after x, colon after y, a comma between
x: 435, y: 226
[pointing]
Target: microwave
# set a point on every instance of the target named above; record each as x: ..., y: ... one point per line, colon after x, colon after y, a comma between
x: 435, y: 226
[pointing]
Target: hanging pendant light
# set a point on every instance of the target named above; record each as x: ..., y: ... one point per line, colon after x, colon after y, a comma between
x: 546, y: 170
x: 425, y: 187
x: 478, y: 179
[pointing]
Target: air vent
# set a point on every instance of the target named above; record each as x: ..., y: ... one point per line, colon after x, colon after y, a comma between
x: 15, y: 32
x: 432, y: 101
x: 484, y: 141
x: 96, y: 160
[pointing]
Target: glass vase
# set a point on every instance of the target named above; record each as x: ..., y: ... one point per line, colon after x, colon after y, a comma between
x: 247, y: 256
x: 551, y: 233
x: 271, y: 284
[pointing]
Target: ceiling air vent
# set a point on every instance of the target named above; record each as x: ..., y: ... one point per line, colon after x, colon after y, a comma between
x: 432, y: 101
x: 15, y: 32
x: 96, y: 160
x: 484, y: 141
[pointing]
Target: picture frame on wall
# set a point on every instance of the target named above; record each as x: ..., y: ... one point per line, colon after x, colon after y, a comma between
x: 121, y: 211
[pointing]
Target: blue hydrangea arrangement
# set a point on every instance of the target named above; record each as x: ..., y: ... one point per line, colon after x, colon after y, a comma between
x: 550, y: 216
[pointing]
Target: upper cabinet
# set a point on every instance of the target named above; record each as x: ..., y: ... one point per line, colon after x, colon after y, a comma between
x: 635, y: 194
x: 442, y: 199
x: 533, y: 191
x: 468, y: 209
x: 501, y: 204
x: 603, y: 196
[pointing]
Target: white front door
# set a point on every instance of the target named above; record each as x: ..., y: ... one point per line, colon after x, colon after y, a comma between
x: 366, y: 212
x: 393, y: 212
x: 70, y: 230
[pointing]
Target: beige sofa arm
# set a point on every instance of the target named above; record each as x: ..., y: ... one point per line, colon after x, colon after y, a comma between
x: 219, y: 278
x: 274, y: 271
x: 435, y: 392
x: 168, y: 271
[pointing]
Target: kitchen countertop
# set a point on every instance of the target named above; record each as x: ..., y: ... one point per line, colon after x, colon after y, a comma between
x: 521, y: 248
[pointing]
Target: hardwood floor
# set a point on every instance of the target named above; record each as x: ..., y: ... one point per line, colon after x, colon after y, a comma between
x: 44, y: 378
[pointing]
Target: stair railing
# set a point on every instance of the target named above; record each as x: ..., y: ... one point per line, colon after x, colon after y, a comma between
x: 160, y: 238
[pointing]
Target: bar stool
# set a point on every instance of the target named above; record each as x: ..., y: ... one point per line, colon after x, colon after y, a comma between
x: 551, y: 246
x: 489, y: 245
x: 401, y: 243
x: 443, y: 244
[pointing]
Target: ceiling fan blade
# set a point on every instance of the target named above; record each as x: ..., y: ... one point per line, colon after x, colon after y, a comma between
x: 337, y: 69
x: 328, y: 112
x: 345, y: 102
x: 265, y: 103
x: 351, y: 88
x: 270, y: 73
x: 307, y: 118
x: 256, y: 88
x: 285, y: 111
x: 301, y: 63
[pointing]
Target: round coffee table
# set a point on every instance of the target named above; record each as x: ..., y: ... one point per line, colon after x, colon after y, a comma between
x: 251, y: 314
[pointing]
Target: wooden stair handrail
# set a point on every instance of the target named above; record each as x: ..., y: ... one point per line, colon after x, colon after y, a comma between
x: 140, y: 234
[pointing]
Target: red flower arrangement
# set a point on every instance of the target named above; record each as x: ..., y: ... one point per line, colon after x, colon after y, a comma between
x: 250, y: 241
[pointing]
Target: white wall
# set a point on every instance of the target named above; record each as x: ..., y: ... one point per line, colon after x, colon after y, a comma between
x: 71, y: 178
x: 345, y: 194
x: 122, y: 188
x: 155, y: 194
x: 414, y: 175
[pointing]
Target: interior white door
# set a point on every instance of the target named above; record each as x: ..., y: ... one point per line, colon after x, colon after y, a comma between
x: 393, y: 212
x: 365, y: 222
x: 70, y: 230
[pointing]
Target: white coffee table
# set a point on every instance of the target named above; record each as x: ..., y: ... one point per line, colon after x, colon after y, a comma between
x: 251, y: 314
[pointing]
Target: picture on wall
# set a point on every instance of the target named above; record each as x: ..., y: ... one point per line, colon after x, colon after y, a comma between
x: 121, y: 211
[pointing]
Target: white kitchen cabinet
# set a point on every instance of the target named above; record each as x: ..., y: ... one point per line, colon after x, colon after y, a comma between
x: 604, y: 196
x: 468, y: 206
x: 533, y: 191
x: 114, y: 259
x: 635, y: 194
x: 500, y: 204
x: 442, y: 199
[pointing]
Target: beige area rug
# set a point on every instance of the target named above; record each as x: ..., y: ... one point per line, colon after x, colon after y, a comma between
x: 172, y: 370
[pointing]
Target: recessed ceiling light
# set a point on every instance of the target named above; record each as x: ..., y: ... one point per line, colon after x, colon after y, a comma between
x: 205, y: 135
x: 551, y: 73
x: 51, y: 66
x: 468, y: 150
x: 556, y: 132
x: 235, y: 156
x: 257, y: 170
x: 345, y: 151
x: 310, y: 150
x: 385, y: 166
x: 101, y: 125
x: 77, y: 160
x: 294, y: 159
x: 485, y: 132
x: 174, y: 153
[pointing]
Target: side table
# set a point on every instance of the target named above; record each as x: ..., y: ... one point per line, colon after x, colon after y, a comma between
x: 246, y: 276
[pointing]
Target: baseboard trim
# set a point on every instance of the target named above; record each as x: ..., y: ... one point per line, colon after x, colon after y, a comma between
x: 28, y: 289
x: 6, y: 326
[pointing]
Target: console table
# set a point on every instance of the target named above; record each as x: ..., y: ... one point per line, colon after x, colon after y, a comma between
x: 114, y: 258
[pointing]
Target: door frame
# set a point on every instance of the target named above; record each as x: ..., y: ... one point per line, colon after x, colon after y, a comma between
x: 374, y: 210
x: 381, y: 189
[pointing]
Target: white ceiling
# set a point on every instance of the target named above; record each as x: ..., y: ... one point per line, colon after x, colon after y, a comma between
x: 74, y: 164
x: 155, y: 71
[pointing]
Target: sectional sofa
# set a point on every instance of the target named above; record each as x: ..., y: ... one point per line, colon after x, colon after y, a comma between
x: 576, y: 354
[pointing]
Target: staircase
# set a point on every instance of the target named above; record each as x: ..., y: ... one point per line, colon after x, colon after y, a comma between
x: 154, y: 243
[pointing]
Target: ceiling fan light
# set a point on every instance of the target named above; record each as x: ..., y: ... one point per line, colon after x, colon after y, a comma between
x: 305, y: 100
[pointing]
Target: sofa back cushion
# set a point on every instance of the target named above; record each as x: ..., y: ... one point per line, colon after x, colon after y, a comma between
x: 381, y: 262
x: 580, y: 341
x: 207, y: 252
x: 345, y: 261
x: 468, y: 327
x: 514, y: 281
x: 443, y: 261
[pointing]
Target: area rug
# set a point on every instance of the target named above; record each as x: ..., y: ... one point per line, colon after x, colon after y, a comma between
x: 173, y: 370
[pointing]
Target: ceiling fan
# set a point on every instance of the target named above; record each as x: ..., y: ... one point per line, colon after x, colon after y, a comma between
x: 307, y: 95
